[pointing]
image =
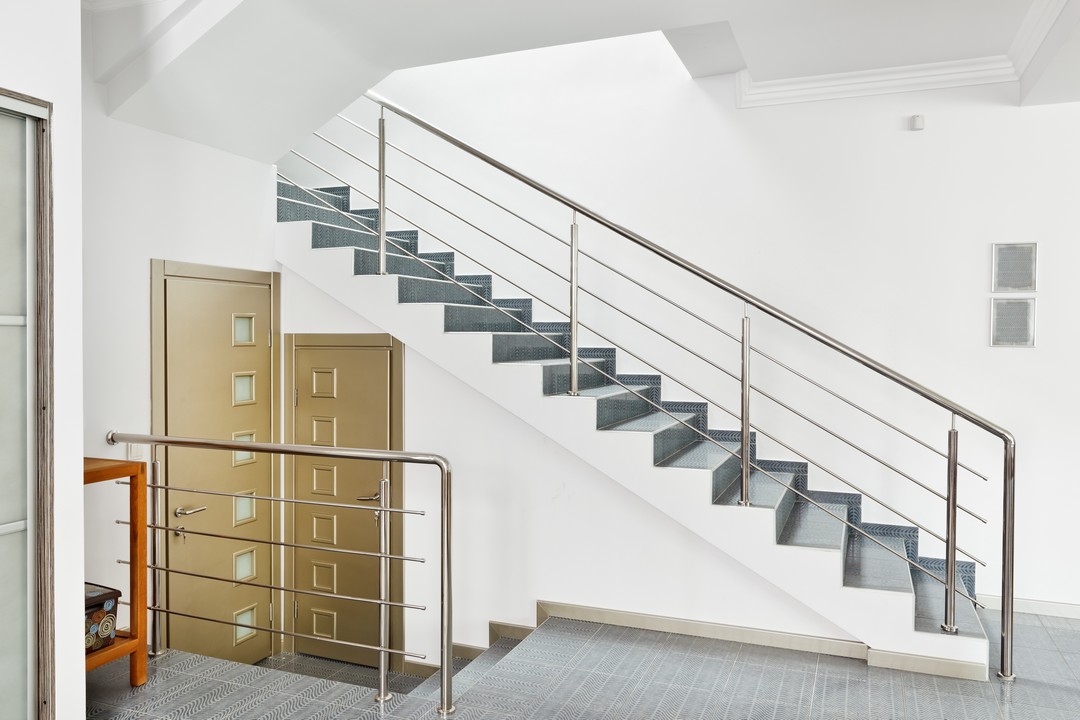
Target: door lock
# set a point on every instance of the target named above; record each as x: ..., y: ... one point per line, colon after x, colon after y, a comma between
x: 181, y: 512
x: 369, y: 498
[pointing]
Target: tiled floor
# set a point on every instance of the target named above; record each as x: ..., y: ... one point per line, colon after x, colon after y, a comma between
x: 572, y: 670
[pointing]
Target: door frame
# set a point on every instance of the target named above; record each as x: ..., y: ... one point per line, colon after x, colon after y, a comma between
x: 160, y: 270
x: 40, y: 491
x: 297, y: 341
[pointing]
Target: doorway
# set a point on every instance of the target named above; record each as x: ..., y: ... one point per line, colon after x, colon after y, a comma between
x: 215, y: 376
x: 347, y: 392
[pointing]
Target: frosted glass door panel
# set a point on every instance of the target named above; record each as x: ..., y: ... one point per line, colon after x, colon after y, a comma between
x: 12, y: 215
x: 14, y: 666
x: 12, y: 425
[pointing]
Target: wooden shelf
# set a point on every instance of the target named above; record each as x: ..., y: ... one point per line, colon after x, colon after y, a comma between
x: 133, y: 642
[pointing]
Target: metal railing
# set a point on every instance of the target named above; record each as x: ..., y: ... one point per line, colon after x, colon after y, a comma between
x: 570, y: 346
x: 384, y: 511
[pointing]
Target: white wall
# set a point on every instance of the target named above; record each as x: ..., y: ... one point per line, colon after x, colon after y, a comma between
x: 148, y: 195
x: 39, y: 56
x: 533, y: 522
x: 836, y: 212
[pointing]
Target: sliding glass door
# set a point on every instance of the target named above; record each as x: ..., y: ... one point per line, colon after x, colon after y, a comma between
x: 17, y: 187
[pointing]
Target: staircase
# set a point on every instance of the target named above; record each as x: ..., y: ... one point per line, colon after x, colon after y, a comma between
x: 866, y: 578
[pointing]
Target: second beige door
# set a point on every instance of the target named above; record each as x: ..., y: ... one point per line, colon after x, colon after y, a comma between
x: 342, y: 399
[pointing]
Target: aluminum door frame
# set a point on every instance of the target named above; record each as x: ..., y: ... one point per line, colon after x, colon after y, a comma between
x: 41, y: 640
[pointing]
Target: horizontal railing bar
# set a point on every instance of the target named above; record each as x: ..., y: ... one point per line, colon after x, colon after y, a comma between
x: 291, y: 501
x: 282, y: 588
x: 364, y: 229
x: 709, y: 277
x: 864, y: 451
x: 278, y: 543
x: 114, y: 438
x: 404, y: 653
x: 864, y: 493
x: 452, y: 179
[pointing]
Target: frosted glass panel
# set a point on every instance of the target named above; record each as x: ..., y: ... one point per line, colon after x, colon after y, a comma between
x: 240, y: 457
x: 243, y: 389
x: 12, y: 215
x: 243, y: 510
x: 12, y: 424
x: 244, y: 617
x: 244, y: 565
x: 13, y: 650
x: 243, y: 330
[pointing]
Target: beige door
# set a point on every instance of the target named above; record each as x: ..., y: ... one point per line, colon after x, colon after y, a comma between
x: 343, y: 399
x: 219, y: 385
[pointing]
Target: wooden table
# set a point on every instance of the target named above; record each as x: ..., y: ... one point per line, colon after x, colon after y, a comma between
x: 133, y: 641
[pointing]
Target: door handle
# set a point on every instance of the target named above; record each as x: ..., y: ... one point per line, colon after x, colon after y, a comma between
x: 181, y: 512
x: 369, y: 498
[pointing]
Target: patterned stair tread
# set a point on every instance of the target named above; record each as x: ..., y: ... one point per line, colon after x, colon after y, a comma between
x: 868, y: 565
x: 652, y: 422
x: 811, y: 526
x: 608, y: 390
x: 704, y: 454
x: 328, y: 235
x: 560, y: 361
x: 471, y: 673
x: 930, y: 607
x: 764, y: 490
x: 287, y: 191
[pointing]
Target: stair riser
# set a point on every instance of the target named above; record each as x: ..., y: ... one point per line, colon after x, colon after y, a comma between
x: 366, y: 262
x: 330, y: 236
x: 783, y: 512
x: 557, y: 378
x: 522, y: 347
x: 419, y: 290
x: 671, y: 440
x: 725, y: 476
x: 289, y: 211
x: 463, y: 318
x: 615, y: 409
x: 302, y: 195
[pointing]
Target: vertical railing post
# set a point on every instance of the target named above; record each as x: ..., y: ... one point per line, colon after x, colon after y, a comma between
x: 744, y: 435
x: 384, y: 584
x: 949, y: 625
x: 446, y: 691
x: 1008, y: 520
x: 382, y: 193
x: 155, y: 550
x: 574, y: 305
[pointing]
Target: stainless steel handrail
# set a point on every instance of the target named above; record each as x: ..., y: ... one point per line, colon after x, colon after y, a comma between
x: 445, y: 705
x: 804, y: 328
x: 700, y: 272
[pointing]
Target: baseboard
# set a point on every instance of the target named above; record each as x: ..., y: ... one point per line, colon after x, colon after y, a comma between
x: 926, y: 665
x: 697, y: 628
x: 1036, y: 607
x: 420, y: 669
x: 498, y: 630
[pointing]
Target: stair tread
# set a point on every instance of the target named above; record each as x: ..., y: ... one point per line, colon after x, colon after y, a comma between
x: 651, y: 422
x: 471, y: 673
x: 703, y: 454
x: 559, y: 361
x: 811, y: 526
x: 764, y: 490
x: 606, y: 390
x: 868, y: 565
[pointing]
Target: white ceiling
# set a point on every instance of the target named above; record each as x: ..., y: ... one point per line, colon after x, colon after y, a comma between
x: 255, y: 76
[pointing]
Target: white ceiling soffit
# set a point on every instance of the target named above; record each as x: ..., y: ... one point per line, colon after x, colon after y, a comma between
x: 708, y: 49
x: 787, y: 53
x: 1052, y: 74
x: 269, y: 71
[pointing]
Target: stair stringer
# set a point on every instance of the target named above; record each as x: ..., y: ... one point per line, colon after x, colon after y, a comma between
x: 882, y: 619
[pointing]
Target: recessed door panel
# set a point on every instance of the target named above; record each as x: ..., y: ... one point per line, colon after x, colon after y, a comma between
x: 343, y: 400
x: 218, y: 386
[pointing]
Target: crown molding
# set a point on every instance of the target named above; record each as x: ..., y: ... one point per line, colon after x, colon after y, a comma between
x: 106, y: 5
x: 911, y: 78
x: 1036, y: 25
